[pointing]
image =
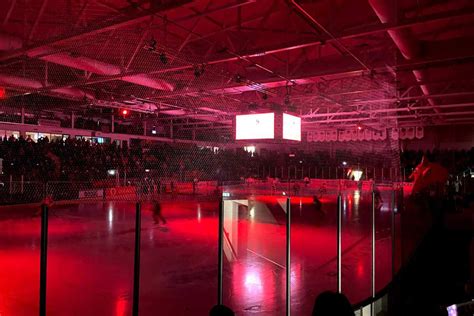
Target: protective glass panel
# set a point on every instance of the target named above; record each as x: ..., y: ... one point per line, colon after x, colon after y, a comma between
x: 384, y: 244
x: 254, y: 251
x: 357, y: 242
x: 178, y: 255
x: 313, y: 240
x: 90, y: 248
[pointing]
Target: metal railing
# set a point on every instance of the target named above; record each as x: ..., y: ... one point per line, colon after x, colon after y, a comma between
x: 379, y: 174
x: 372, y: 300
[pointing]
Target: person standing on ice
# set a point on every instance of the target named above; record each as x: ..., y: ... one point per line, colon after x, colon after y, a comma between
x: 378, y: 201
x: 306, y: 181
x: 318, y: 205
x: 157, y: 214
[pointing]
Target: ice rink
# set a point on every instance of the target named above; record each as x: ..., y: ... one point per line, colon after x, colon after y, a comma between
x: 91, y: 246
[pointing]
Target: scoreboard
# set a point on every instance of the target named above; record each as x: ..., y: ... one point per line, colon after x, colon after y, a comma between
x: 267, y: 126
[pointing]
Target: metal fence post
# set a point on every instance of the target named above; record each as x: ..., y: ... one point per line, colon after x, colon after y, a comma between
x: 288, y: 256
x: 136, y: 263
x: 43, y: 259
x: 373, y: 253
x: 339, y: 243
x: 220, y: 258
x: 393, y: 231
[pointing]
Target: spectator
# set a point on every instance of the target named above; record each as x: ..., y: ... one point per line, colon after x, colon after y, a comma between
x: 221, y: 310
x: 331, y: 304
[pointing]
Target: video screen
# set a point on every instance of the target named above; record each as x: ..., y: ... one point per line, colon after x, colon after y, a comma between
x: 291, y: 127
x: 255, y: 126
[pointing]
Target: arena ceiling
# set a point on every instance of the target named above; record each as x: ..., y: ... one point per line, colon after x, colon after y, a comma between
x: 337, y: 63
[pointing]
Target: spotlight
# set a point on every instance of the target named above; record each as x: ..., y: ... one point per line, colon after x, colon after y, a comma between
x: 359, y: 127
x: 124, y: 112
x: 2, y: 93
x: 238, y: 78
x: 153, y: 130
x: 287, y: 99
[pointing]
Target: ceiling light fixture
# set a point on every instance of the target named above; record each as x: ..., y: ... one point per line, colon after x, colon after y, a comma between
x: 198, y: 70
x: 163, y: 58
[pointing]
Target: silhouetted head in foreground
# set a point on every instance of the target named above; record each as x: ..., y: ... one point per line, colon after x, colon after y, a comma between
x: 332, y: 304
x: 221, y: 310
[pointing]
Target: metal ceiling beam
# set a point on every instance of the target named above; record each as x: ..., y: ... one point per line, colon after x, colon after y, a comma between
x: 38, y: 17
x: 448, y: 121
x: 9, y: 12
x: 315, y: 23
x: 419, y: 97
x: 379, y: 29
x: 360, y: 33
x: 389, y: 110
x: 107, y: 26
x: 394, y: 117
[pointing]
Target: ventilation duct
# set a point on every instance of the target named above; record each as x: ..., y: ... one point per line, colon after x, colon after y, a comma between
x: 406, y: 42
x: 51, y: 55
x: 21, y: 83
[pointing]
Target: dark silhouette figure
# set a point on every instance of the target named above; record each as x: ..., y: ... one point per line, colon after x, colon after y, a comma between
x: 318, y: 206
x: 296, y: 188
x: 221, y: 310
x: 332, y: 304
x: 157, y: 215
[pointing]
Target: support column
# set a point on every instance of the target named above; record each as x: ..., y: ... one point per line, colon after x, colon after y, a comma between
x: 220, y: 253
x: 144, y: 128
x: 171, y: 129
x: 73, y: 118
x: 339, y: 244
x: 43, y: 259
x: 112, y: 126
x: 373, y: 247
x: 288, y: 256
x: 22, y: 115
x: 136, y: 261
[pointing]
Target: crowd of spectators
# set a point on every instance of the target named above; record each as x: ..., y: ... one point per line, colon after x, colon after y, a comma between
x: 80, y: 160
x: 68, y: 160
